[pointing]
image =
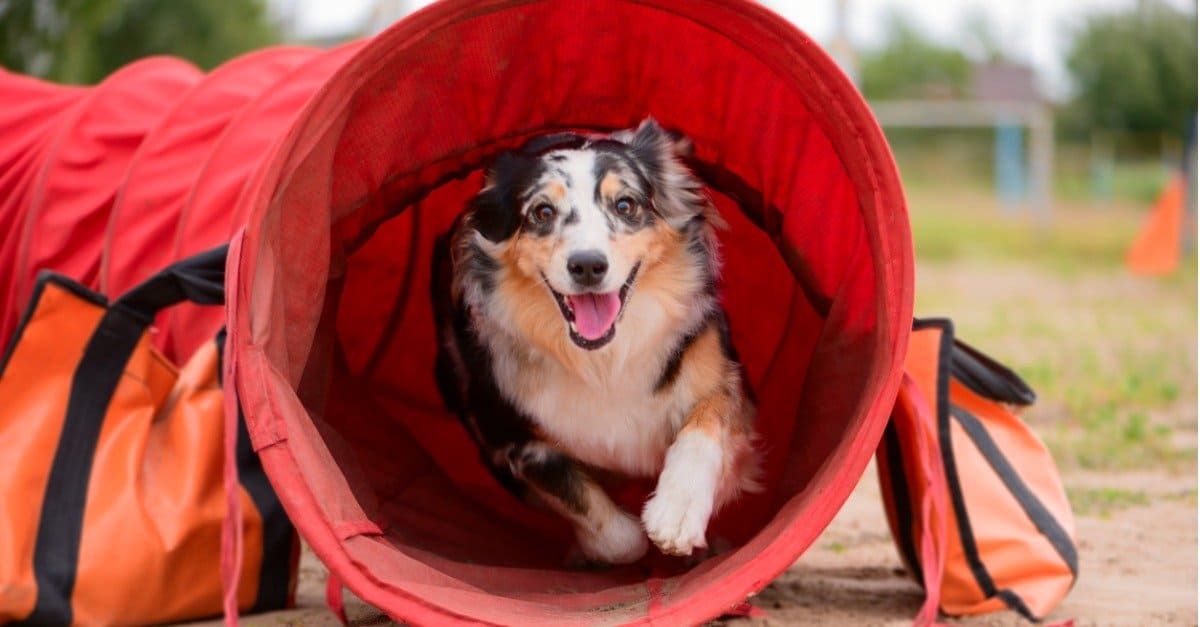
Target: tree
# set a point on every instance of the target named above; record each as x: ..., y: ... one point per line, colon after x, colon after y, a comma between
x: 1134, y: 71
x: 909, y: 65
x: 82, y: 41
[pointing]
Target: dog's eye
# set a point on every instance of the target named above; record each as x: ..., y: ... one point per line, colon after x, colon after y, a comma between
x: 626, y: 207
x: 543, y: 213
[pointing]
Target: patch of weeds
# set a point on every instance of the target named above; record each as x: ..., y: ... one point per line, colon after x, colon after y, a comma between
x: 1134, y: 430
x: 1187, y: 497
x: 1041, y: 375
x: 1103, y: 502
x: 1111, y: 439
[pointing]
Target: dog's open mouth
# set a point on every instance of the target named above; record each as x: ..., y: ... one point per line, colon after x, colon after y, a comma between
x: 592, y: 317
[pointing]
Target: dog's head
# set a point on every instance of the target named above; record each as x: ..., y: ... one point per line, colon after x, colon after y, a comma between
x: 581, y: 217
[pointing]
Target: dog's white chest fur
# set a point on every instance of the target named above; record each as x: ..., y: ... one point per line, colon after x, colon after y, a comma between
x: 614, y: 422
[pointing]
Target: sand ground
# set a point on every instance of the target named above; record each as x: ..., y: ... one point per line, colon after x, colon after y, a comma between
x: 1137, y: 567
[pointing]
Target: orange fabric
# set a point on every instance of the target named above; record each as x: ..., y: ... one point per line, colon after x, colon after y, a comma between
x: 921, y: 362
x: 1157, y: 248
x: 1015, y: 554
x: 156, y: 498
x: 34, y: 402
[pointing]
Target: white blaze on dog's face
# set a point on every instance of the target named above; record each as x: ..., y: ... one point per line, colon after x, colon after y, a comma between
x: 583, y: 221
x: 582, y: 218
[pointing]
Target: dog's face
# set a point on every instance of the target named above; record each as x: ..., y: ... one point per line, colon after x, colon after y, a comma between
x: 581, y: 217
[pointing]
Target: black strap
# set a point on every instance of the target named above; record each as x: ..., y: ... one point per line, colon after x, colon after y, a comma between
x: 902, y: 502
x: 989, y: 378
x: 1041, y: 517
x: 200, y: 279
x: 60, y: 527
x: 949, y: 352
x: 278, y: 535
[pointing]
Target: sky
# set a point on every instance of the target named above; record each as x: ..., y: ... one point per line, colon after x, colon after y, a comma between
x: 1034, y: 31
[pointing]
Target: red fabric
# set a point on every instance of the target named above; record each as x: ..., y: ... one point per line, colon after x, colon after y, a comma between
x: 343, y: 170
x: 163, y: 172
x: 207, y: 217
x: 231, y: 530
x: 62, y: 220
x: 336, y: 337
x: 33, y: 110
x: 933, y: 507
x: 334, y: 600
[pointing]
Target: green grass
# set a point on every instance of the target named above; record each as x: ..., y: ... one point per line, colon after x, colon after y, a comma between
x: 837, y: 547
x: 1111, y: 355
x: 1132, y: 181
x: 1104, y: 501
x: 966, y: 224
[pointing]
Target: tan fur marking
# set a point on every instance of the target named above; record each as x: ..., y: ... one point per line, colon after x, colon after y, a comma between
x: 555, y: 191
x: 704, y: 366
x: 611, y: 185
x: 536, y: 314
x: 710, y: 416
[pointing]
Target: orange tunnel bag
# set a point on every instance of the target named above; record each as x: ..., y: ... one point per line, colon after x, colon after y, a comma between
x: 1007, y: 535
x: 112, y: 512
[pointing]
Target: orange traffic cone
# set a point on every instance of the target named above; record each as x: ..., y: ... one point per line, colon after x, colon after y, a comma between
x: 1156, y: 251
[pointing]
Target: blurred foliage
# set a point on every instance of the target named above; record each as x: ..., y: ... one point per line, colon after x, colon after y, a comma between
x: 982, y: 41
x: 911, y: 65
x: 82, y: 41
x: 1133, y: 71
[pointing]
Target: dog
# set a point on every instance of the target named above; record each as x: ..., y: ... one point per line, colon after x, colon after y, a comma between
x: 581, y: 333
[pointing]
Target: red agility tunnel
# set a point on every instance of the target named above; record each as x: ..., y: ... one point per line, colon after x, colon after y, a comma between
x: 336, y: 178
x: 332, y: 332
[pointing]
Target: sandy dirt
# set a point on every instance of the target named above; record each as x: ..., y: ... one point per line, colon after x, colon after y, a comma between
x: 1137, y: 567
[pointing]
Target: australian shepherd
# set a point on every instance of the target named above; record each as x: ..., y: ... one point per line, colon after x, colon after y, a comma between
x: 581, y: 334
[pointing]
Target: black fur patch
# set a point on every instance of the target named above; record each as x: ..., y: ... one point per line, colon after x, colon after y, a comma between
x: 482, y: 268
x: 496, y: 209
x: 675, y: 361
x: 555, y: 475
x: 538, y: 146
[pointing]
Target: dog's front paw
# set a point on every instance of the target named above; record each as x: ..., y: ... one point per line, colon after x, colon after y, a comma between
x: 676, y: 519
x: 619, y: 540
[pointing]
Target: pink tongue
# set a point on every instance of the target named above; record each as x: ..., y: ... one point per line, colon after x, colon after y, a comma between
x: 595, y: 313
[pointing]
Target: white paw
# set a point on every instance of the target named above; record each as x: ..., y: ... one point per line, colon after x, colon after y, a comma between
x: 620, y: 540
x: 676, y: 519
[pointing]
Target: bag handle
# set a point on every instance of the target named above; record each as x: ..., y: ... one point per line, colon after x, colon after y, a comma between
x: 989, y: 378
x: 100, y: 368
x: 199, y: 279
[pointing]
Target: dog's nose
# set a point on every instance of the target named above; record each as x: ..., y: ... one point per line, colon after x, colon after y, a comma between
x: 587, y: 268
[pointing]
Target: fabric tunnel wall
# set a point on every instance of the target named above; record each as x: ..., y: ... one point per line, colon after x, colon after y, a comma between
x: 334, y: 171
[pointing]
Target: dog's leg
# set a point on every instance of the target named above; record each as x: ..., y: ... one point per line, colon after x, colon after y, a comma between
x: 605, y: 532
x: 701, y: 473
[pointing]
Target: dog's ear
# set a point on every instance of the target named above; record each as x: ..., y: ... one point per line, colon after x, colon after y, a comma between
x: 494, y: 212
x: 651, y: 140
x: 678, y: 195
